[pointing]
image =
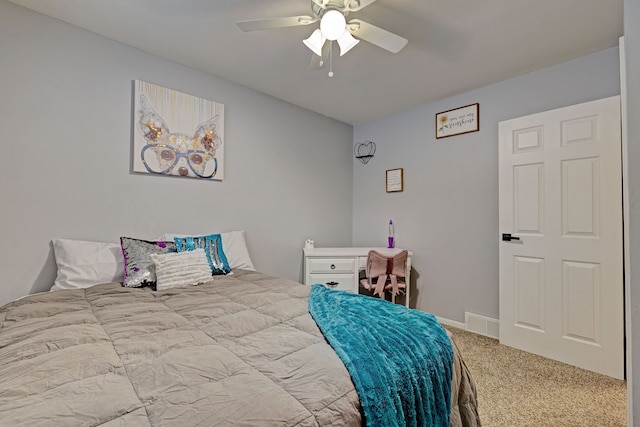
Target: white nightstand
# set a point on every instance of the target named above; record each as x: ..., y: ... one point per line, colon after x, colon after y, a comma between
x: 339, y: 268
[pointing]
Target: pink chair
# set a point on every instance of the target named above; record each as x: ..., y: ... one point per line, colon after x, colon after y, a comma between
x: 386, y: 273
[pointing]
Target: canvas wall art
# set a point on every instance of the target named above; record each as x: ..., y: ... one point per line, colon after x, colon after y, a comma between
x: 177, y: 134
x: 458, y: 121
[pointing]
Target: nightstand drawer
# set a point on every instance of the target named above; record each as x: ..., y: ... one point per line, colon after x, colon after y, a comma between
x: 331, y: 265
x: 343, y: 282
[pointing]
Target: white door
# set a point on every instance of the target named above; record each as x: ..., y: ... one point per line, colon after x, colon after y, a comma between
x: 560, y: 188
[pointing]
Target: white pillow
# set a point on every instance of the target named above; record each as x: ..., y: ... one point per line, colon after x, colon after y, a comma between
x: 176, y: 269
x: 82, y: 264
x: 233, y: 245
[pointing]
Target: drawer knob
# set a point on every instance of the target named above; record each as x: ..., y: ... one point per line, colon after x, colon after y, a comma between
x: 332, y: 284
x: 333, y: 266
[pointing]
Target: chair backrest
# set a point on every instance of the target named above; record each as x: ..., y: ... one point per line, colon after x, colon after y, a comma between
x: 399, y: 264
x: 379, y: 264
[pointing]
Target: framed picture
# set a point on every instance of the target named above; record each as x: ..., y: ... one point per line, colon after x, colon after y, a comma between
x: 395, y: 180
x: 458, y: 121
x: 177, y: 134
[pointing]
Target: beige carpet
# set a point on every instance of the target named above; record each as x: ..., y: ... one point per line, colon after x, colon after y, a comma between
x: 521, y: 389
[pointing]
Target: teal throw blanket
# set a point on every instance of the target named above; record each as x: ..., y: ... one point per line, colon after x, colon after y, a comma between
x: 400, y: 360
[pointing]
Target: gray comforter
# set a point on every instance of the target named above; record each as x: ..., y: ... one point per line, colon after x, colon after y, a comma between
x: 241, y: 350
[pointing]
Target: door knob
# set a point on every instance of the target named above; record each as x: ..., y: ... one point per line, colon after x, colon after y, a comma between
x: 507, y: 237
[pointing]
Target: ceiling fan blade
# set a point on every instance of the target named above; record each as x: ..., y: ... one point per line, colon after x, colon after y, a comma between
x: 322, y: 4
x: 271, y: 23
x: 377, y: 36
x: 356, y: 5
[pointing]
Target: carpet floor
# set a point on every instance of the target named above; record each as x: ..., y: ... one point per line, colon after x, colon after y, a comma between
x: 516, y: 388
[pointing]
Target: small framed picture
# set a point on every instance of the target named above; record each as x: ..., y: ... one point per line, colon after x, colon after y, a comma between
x: 458, y: 121
x: 395, y: 180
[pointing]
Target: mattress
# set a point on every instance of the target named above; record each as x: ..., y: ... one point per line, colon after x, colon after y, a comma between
x: 241, y: 350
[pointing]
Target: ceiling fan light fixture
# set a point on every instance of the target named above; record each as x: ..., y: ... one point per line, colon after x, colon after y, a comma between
x: 333, y: 24
x: 315, y: 42
x: 347, y: 42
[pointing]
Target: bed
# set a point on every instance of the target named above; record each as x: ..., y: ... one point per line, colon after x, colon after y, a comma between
x: 240, y: 350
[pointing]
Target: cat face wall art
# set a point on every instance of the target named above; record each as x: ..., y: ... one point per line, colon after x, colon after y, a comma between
x: 161, y: 149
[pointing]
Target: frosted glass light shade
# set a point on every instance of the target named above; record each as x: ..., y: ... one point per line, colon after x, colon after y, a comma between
x: 346, y: 42
x: 333, y: 25
x: 315, y: 42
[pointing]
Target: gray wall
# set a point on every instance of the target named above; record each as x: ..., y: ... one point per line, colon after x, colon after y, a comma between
x: 66, y: 120
x: 448, y: 212
x: 632, y: 47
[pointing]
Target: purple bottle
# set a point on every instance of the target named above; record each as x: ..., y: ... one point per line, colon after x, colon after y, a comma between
x: 390, y: 234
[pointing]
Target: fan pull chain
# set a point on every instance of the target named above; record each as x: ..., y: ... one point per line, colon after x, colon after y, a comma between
x: 331, y: 59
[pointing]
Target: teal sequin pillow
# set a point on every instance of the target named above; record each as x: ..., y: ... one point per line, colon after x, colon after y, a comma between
x: 212, y: 245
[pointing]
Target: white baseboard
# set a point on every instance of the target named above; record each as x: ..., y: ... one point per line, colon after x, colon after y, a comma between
x: 476, y: 323
x: 453, y: 323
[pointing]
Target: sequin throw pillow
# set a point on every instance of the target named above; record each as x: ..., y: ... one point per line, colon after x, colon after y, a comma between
x: 212, y: 245
x: 139, y: 269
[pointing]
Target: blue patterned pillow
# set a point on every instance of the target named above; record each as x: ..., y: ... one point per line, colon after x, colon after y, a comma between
x: 212, y: 246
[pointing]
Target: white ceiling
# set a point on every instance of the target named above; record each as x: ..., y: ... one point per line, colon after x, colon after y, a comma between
x: 454, y: 45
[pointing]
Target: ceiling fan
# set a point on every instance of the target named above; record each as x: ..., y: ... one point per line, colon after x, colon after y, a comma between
x: 333, y: 27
